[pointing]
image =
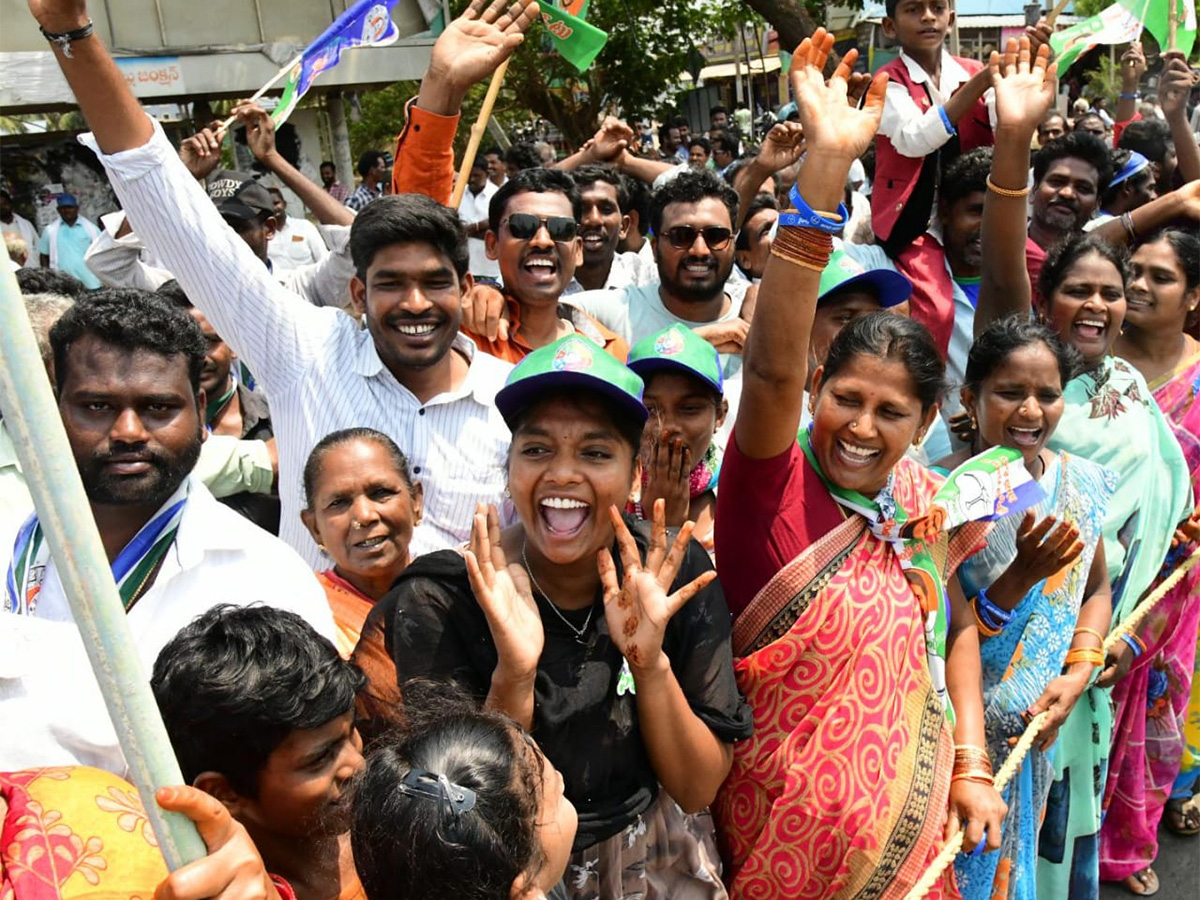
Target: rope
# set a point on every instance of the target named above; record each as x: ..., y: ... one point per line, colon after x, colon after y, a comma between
x: 1009, y: 769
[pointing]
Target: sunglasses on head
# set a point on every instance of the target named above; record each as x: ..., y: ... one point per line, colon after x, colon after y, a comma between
x: 523, y: 226
x: 683, y: 236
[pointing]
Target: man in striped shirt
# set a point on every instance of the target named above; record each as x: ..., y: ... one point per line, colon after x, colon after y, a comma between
x: 406, y: 370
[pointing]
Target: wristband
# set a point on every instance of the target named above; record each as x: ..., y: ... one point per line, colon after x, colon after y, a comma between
x: 946, y: 121
x: 63, y: 41
x: 806, y: 217
x: 1136, y: 95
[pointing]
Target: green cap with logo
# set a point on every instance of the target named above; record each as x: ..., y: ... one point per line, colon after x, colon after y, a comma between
x: 570, y: 362
x: 844, y: 271
x: 678, y: 349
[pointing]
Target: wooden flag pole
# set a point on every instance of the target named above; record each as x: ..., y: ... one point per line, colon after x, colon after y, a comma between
x: 477, y: 130
x: 1054, y: 13
x: 1174, y: 13
x: 32, y: 416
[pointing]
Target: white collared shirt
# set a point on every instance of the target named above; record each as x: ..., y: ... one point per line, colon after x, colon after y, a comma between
x: 318, y: 366
x: 917, y: 133
x: 474, y: 208
x: 49, y: 700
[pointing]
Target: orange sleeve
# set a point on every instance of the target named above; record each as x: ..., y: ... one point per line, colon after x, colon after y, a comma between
x: 424, y: 162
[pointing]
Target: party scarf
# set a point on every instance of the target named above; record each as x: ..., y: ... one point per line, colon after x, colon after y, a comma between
x: 130, y: 569
x: 214, y: 406
x: 984, y: 488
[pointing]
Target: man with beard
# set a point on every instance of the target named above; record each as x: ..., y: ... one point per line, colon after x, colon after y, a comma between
x: 128, y: 386
x: 533, y: 236
x: 692, y: 218
x: 1069, y: 176
x: 404, y: 370
x: 259, y: 709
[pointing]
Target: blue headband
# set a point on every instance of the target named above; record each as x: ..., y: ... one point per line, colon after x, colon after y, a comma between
x: 1136, y: 163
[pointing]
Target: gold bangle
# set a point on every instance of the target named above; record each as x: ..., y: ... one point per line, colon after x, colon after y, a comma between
x: 1091, y: 631
x: 802, y: 263
x: 1006, y: 192
x: 978, y: 777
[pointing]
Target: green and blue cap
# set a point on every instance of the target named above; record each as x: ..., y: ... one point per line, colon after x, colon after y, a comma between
x: 844, y: 271
x: 570, y: 362
x: 678, y: 349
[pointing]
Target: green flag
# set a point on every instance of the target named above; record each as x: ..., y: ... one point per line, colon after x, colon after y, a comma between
x: 577, y: 41
x: 1123, y: 22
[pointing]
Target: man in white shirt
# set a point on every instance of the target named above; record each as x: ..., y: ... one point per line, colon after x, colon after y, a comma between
x: 473, y: 210
x: 13, y: 225
x: 405, y: 370
x: 692, y: 219
x: 128, y: 367
x: 296, y: 242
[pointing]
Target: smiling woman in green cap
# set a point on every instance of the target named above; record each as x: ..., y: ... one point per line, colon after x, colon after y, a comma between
x: 606, y: 641
x: 684, y: 395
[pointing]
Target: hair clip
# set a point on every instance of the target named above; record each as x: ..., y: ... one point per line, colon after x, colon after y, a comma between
x: 426, y: 785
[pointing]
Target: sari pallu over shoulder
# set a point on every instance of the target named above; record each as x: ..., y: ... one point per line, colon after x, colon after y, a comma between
x: 842, y: 791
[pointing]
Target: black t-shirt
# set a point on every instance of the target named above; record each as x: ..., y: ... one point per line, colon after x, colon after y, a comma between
x: 436, y: 629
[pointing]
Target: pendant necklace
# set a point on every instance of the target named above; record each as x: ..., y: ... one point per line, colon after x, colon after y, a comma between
x: 578, y: 632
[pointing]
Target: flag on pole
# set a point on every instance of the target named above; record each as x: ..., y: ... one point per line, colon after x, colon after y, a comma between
x: 367, y: 22
x: 577, y: 41
x: 1123, y: 22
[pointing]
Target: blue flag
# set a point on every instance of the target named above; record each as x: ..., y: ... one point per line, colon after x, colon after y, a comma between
x: 367, y: 22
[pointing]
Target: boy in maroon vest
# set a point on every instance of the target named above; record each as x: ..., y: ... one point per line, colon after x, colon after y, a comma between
x: 934, y: 112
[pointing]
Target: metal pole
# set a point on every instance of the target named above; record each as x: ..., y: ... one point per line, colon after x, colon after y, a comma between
x: 83, y: 568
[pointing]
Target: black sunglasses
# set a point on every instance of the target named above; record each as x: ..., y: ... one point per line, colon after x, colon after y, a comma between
x: 523, y: 226
x: 683, y: 236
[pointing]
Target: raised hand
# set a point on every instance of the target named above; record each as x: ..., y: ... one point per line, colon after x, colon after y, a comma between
x: 1039, y: 34
x: 830, y: 127
x: 474, y: 44
x: 612, y: 139
x: 1045, y: 547
x: 638, y: 609
x: 1133, y: 65
x: 232, y: 870
x: 260, y: 129
x: 1174, y: 84
x: 782, y: 147
x: 1024, y: 84
x: 201, y: 153
x: 668, y: 464
x: 504, y: 594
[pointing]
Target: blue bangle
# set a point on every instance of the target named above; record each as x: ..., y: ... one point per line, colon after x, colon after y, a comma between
x: 806, y: 217
x: 1133, y: 642
x: 1136, y: 95
x: 946, y: 121
x: 991, y: 614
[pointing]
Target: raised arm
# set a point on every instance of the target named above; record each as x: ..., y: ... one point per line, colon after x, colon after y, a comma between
x: 1024, y: 92
x: 782, y: 147
x: 466, y: 53
x: 1174, y: 86
x: 1133, y: 67
x: 774, y: 372
x: 1148, y: 218
x: 260, y: 135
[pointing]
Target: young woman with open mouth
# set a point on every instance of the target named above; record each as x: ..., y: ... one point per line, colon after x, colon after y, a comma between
x: 608, y: 642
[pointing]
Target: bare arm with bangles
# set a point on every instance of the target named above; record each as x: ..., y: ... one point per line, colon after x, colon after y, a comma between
x: 774, y: 372
x: 1024, y: 87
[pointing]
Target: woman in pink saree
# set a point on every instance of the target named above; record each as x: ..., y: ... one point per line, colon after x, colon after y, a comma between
x: 1155, y: 757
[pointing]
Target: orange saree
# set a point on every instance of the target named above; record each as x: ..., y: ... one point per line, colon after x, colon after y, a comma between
x: 842, y: 791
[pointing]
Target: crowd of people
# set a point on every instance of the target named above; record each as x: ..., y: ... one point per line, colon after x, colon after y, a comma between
x: 700, y: 521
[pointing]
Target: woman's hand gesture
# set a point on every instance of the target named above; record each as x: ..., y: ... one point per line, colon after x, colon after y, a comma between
x: 831, y: 127
x: 503, y: 592
x: 978, y: 809
x: 668, y: 464
x: 1024, y: 84
x: 638, y: 609
x: 1045, y: 548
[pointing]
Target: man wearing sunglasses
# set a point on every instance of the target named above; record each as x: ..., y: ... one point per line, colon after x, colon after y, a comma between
x: 533, y: 235
x: 692, y: 219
